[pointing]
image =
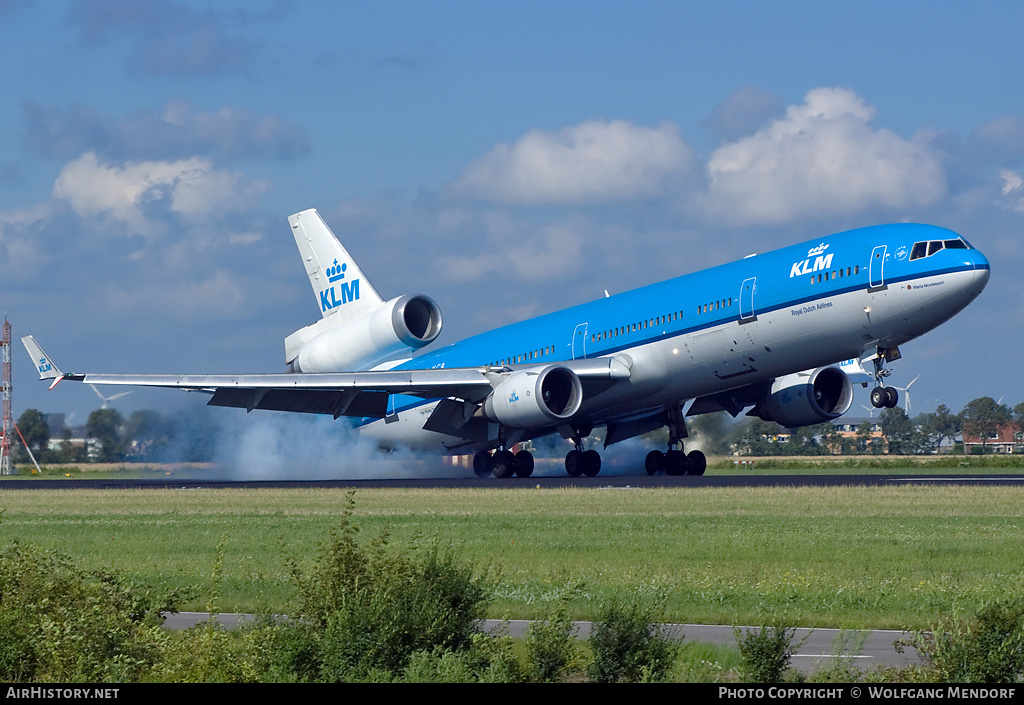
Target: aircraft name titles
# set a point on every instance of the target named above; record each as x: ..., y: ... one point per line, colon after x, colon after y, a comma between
x: 810, y: 309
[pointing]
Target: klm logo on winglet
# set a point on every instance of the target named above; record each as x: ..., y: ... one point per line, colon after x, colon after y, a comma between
x: 348, y: 291
x: 821, y: 261
x: 44, y: 366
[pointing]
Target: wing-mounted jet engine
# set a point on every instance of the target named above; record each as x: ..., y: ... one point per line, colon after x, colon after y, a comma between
x: 358, y: 330
x: 806, y: 398
x: 535, y: 397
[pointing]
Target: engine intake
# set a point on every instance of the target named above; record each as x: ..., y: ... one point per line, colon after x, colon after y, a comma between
x: 535, y: 398
x: 806, y: 398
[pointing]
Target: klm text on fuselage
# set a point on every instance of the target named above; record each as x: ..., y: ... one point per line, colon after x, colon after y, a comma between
x: 821, y: 261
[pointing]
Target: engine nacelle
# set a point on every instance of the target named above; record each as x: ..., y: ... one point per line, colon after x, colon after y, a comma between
x: 391, y: 330
x: 806, y: 398
x: 535, y: 398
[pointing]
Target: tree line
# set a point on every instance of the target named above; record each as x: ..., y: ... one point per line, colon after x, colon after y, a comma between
x: 981, y: 418
x: 145, y: 436
x: 193, y: 435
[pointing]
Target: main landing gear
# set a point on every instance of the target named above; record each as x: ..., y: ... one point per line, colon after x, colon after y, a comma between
x: 503, y: 463
x: 882, y: 396
x: 582, y: 462
x: 676, y: 461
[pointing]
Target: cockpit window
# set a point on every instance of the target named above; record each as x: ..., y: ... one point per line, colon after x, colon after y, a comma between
x: 929, y: 248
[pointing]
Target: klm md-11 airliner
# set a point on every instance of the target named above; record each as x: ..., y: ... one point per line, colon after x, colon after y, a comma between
x: 769, y: 332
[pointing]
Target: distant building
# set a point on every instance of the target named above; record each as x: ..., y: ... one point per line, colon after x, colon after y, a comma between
x: 847, y: 427
x: 1002, y: 441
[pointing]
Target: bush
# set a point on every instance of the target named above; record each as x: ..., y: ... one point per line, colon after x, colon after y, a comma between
x: 627, y: 646
x: 766, y: 653
x: 205, y: 653
x: 989, y: 648
x: 490, y: 659
x: 362, y: 612
x: 551, y: 646
x: 61, y: 624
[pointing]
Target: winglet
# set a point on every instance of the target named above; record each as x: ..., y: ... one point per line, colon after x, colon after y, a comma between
x: 44, y: 365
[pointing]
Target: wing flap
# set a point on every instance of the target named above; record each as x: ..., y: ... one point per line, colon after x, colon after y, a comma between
x: 308, y: 401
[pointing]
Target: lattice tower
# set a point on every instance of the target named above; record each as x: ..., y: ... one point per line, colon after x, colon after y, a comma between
x: 8, y: 422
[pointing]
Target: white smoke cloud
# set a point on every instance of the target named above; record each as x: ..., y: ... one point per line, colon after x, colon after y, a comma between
x: 593, y: 161
x: 282, y: 446
x: 822, y: 159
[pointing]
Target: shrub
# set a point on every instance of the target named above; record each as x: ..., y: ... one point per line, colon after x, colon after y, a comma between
x: 59, y: 623
x: 988, y: 648
x: 551, y: 646
x: 766, y: 653
x: 627, y: 646
x: 364, y: 611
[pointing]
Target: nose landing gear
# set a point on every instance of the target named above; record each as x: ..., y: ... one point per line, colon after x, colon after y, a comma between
x: 882, y: 396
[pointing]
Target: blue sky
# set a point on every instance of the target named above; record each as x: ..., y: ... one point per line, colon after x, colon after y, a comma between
x: 505, y: 159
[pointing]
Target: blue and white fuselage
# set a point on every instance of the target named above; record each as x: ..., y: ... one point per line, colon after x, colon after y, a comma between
x: 841, y: 297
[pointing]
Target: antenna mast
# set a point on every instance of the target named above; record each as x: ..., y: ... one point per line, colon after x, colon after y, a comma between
x: 8, y: 422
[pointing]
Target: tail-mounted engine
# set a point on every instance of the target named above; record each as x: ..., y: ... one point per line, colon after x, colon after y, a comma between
x: 391, y: 330
x: 535, y: 398
x: 806, y: 398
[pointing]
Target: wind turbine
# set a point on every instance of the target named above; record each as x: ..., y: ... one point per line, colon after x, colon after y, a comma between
x: 107, y: 400
x: 906, y: 395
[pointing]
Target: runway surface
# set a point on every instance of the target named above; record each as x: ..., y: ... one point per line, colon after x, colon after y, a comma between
x: 599, y: 482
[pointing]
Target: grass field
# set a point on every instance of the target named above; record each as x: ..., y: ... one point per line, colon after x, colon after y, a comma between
x: 884, y: 557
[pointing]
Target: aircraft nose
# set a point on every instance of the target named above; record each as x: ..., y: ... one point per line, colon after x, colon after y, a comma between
x: 981, y: 270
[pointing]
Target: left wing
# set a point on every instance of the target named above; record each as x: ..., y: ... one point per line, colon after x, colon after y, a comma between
x: 359, y: 394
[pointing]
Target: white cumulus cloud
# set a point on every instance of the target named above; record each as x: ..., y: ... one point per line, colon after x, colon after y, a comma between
x: 822, y: 158
x: 190, y: 188
x: 592, y: 161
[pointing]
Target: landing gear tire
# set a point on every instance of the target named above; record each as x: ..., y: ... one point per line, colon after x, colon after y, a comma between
x: 482, y: 464
x: 697, y: 461
x: 654, y: 462
x: 504, y: 464
x: 892, y: 397
x: 676, y: 462
x: 524, y: 463
x: 591, y: 463
x: 884, y: 397
x: 878, y: 397
x: 574, y: 463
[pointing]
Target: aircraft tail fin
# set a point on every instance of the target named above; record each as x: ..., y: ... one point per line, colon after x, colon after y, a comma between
x: 44, y: 365
x: 340, y: 289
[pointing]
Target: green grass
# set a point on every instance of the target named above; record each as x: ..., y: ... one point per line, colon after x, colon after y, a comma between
x: 885, y: 557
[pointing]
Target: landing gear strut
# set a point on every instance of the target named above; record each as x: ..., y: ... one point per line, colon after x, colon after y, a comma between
x: 676, y: 461
x: 882, y: 396
x: 582, y: 462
